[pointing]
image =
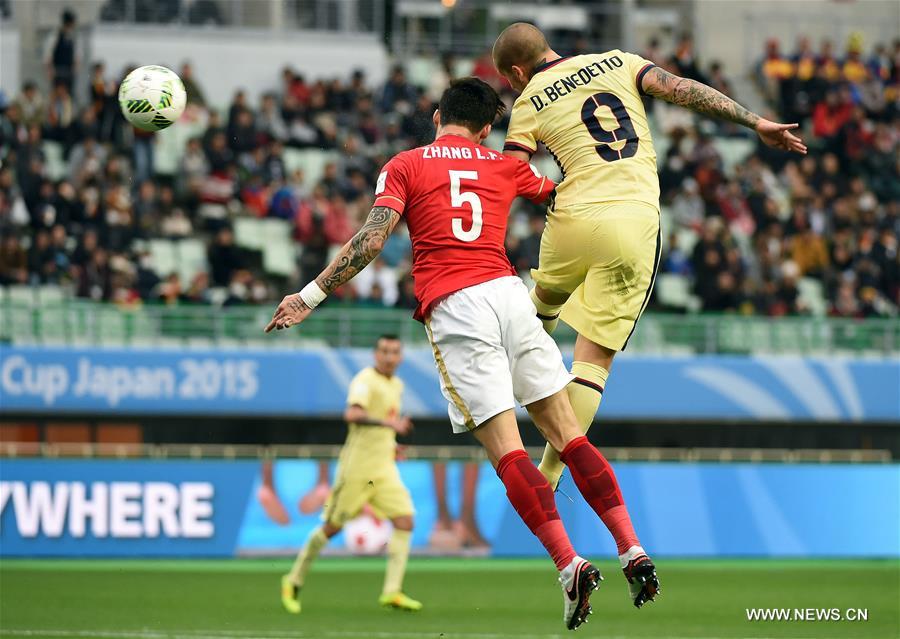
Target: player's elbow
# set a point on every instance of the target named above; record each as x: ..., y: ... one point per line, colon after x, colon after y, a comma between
x: 353, y: 414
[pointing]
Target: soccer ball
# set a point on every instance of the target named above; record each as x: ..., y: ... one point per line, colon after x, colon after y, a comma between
x: 367, y: 535
x: 152, y: 97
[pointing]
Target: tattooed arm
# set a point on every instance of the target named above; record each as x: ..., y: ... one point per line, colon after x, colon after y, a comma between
x: 354, y: 257
x: 701, y: 98
x: 360, y: 250
x: 696, y: 96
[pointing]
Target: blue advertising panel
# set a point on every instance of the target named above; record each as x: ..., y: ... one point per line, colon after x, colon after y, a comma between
x: 122, y: 507
x: 217, y: 508
x: 313, y: 382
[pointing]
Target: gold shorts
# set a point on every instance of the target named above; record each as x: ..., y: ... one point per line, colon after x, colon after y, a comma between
x: 606, y: 257
x: 386, y: 494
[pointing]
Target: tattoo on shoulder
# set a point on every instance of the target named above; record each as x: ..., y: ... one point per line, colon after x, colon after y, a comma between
x: 361, y: 249
x: 697, y: 97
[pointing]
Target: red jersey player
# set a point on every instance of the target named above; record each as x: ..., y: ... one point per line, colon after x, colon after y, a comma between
x: 489, y: 346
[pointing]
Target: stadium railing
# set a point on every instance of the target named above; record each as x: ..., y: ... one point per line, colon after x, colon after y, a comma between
x: 56, y: 321
x: 433, y: 453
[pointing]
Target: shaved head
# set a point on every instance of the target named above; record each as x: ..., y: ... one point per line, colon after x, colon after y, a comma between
x: 521, y: 44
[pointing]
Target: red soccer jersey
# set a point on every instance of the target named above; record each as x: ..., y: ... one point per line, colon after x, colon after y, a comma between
x: 455, y: 196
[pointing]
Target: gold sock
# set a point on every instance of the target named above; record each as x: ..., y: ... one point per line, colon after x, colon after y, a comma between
x: 585, y: 396
x: 547, y: 313
x: 397, y: 554
x: 311, y: 549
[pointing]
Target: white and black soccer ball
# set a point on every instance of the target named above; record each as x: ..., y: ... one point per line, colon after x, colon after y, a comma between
x: 152, y: 97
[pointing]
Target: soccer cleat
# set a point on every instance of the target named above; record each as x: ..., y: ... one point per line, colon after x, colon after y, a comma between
x: 399, y: 601
x: 579, y: 579
x: 290, y: 595
x: 643, y: 584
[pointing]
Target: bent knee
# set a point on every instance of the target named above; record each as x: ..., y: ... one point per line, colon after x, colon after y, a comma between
x: 404, y: 522
x: 551, y: 296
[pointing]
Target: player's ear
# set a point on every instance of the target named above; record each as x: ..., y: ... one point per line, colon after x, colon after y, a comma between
x: 519, y: 74
x: 485, y: 131
x: 436, y: 118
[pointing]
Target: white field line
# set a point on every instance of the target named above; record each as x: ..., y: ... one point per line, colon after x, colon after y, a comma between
x: 237, y: 634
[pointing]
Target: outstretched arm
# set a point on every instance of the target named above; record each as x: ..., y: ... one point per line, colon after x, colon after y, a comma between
x: 701, y: 98
x: 354, y: 257
x: 360, y: 250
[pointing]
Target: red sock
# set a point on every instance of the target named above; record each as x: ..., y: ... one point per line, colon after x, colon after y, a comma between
x: 530, y: 494
x: 597, y: 482
x: 619, y: 524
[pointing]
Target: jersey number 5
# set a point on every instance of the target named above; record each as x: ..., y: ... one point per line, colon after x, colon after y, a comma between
x: 624, y: 132
x: 458, y: 198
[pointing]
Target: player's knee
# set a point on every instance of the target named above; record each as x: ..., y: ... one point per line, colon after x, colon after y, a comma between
x: 547, y: 296
x: 591, y: 352
x: 330, y: 529
x: 403, y: 523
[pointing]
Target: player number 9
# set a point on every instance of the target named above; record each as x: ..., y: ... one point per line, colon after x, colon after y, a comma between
x: 625, y: 130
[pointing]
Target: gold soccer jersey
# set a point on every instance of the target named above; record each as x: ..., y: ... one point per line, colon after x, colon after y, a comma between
x: 367, y: 470
x: 588, y: 113
x: 601, y: 244
x: 371, y: 448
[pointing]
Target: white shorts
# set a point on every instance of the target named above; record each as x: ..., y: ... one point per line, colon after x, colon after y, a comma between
x: 491, y: 351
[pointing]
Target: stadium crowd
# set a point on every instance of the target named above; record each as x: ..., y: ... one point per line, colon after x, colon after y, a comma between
x: 744, y: 237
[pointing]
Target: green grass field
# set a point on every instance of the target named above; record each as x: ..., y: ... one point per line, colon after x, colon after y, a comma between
x: 464, y: 599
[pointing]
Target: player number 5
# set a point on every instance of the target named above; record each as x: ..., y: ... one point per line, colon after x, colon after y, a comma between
x: 457, y: 199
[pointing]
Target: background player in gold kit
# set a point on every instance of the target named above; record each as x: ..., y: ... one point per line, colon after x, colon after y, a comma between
x: 367, y: 474
x: 601, y: 246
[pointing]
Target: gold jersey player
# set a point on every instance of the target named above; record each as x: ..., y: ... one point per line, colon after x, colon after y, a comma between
x: 367, y: 474
x: 601, y: 246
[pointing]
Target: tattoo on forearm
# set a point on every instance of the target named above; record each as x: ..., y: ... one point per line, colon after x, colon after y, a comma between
x: 360, y: 250
x: 698, y: 97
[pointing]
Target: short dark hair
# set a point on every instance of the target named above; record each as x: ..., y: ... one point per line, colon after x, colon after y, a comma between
x: 471, y: 103
x: 391, y: 337
x: 520, y: 44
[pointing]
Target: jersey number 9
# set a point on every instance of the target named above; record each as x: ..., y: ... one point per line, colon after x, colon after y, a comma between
x: 625, y: 131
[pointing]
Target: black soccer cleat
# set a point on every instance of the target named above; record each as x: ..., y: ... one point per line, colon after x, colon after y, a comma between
x: 579, y: 580
x: 643, y: 584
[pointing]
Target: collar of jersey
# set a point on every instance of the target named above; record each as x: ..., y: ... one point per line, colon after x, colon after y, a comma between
x: 547, y: 65
x: 380, y: 374
x: 454, y: 136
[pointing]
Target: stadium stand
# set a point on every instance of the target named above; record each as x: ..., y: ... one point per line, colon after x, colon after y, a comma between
x: 234, y: 205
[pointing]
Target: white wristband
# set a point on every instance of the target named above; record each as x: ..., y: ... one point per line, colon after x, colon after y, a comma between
x: 312, y: 295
